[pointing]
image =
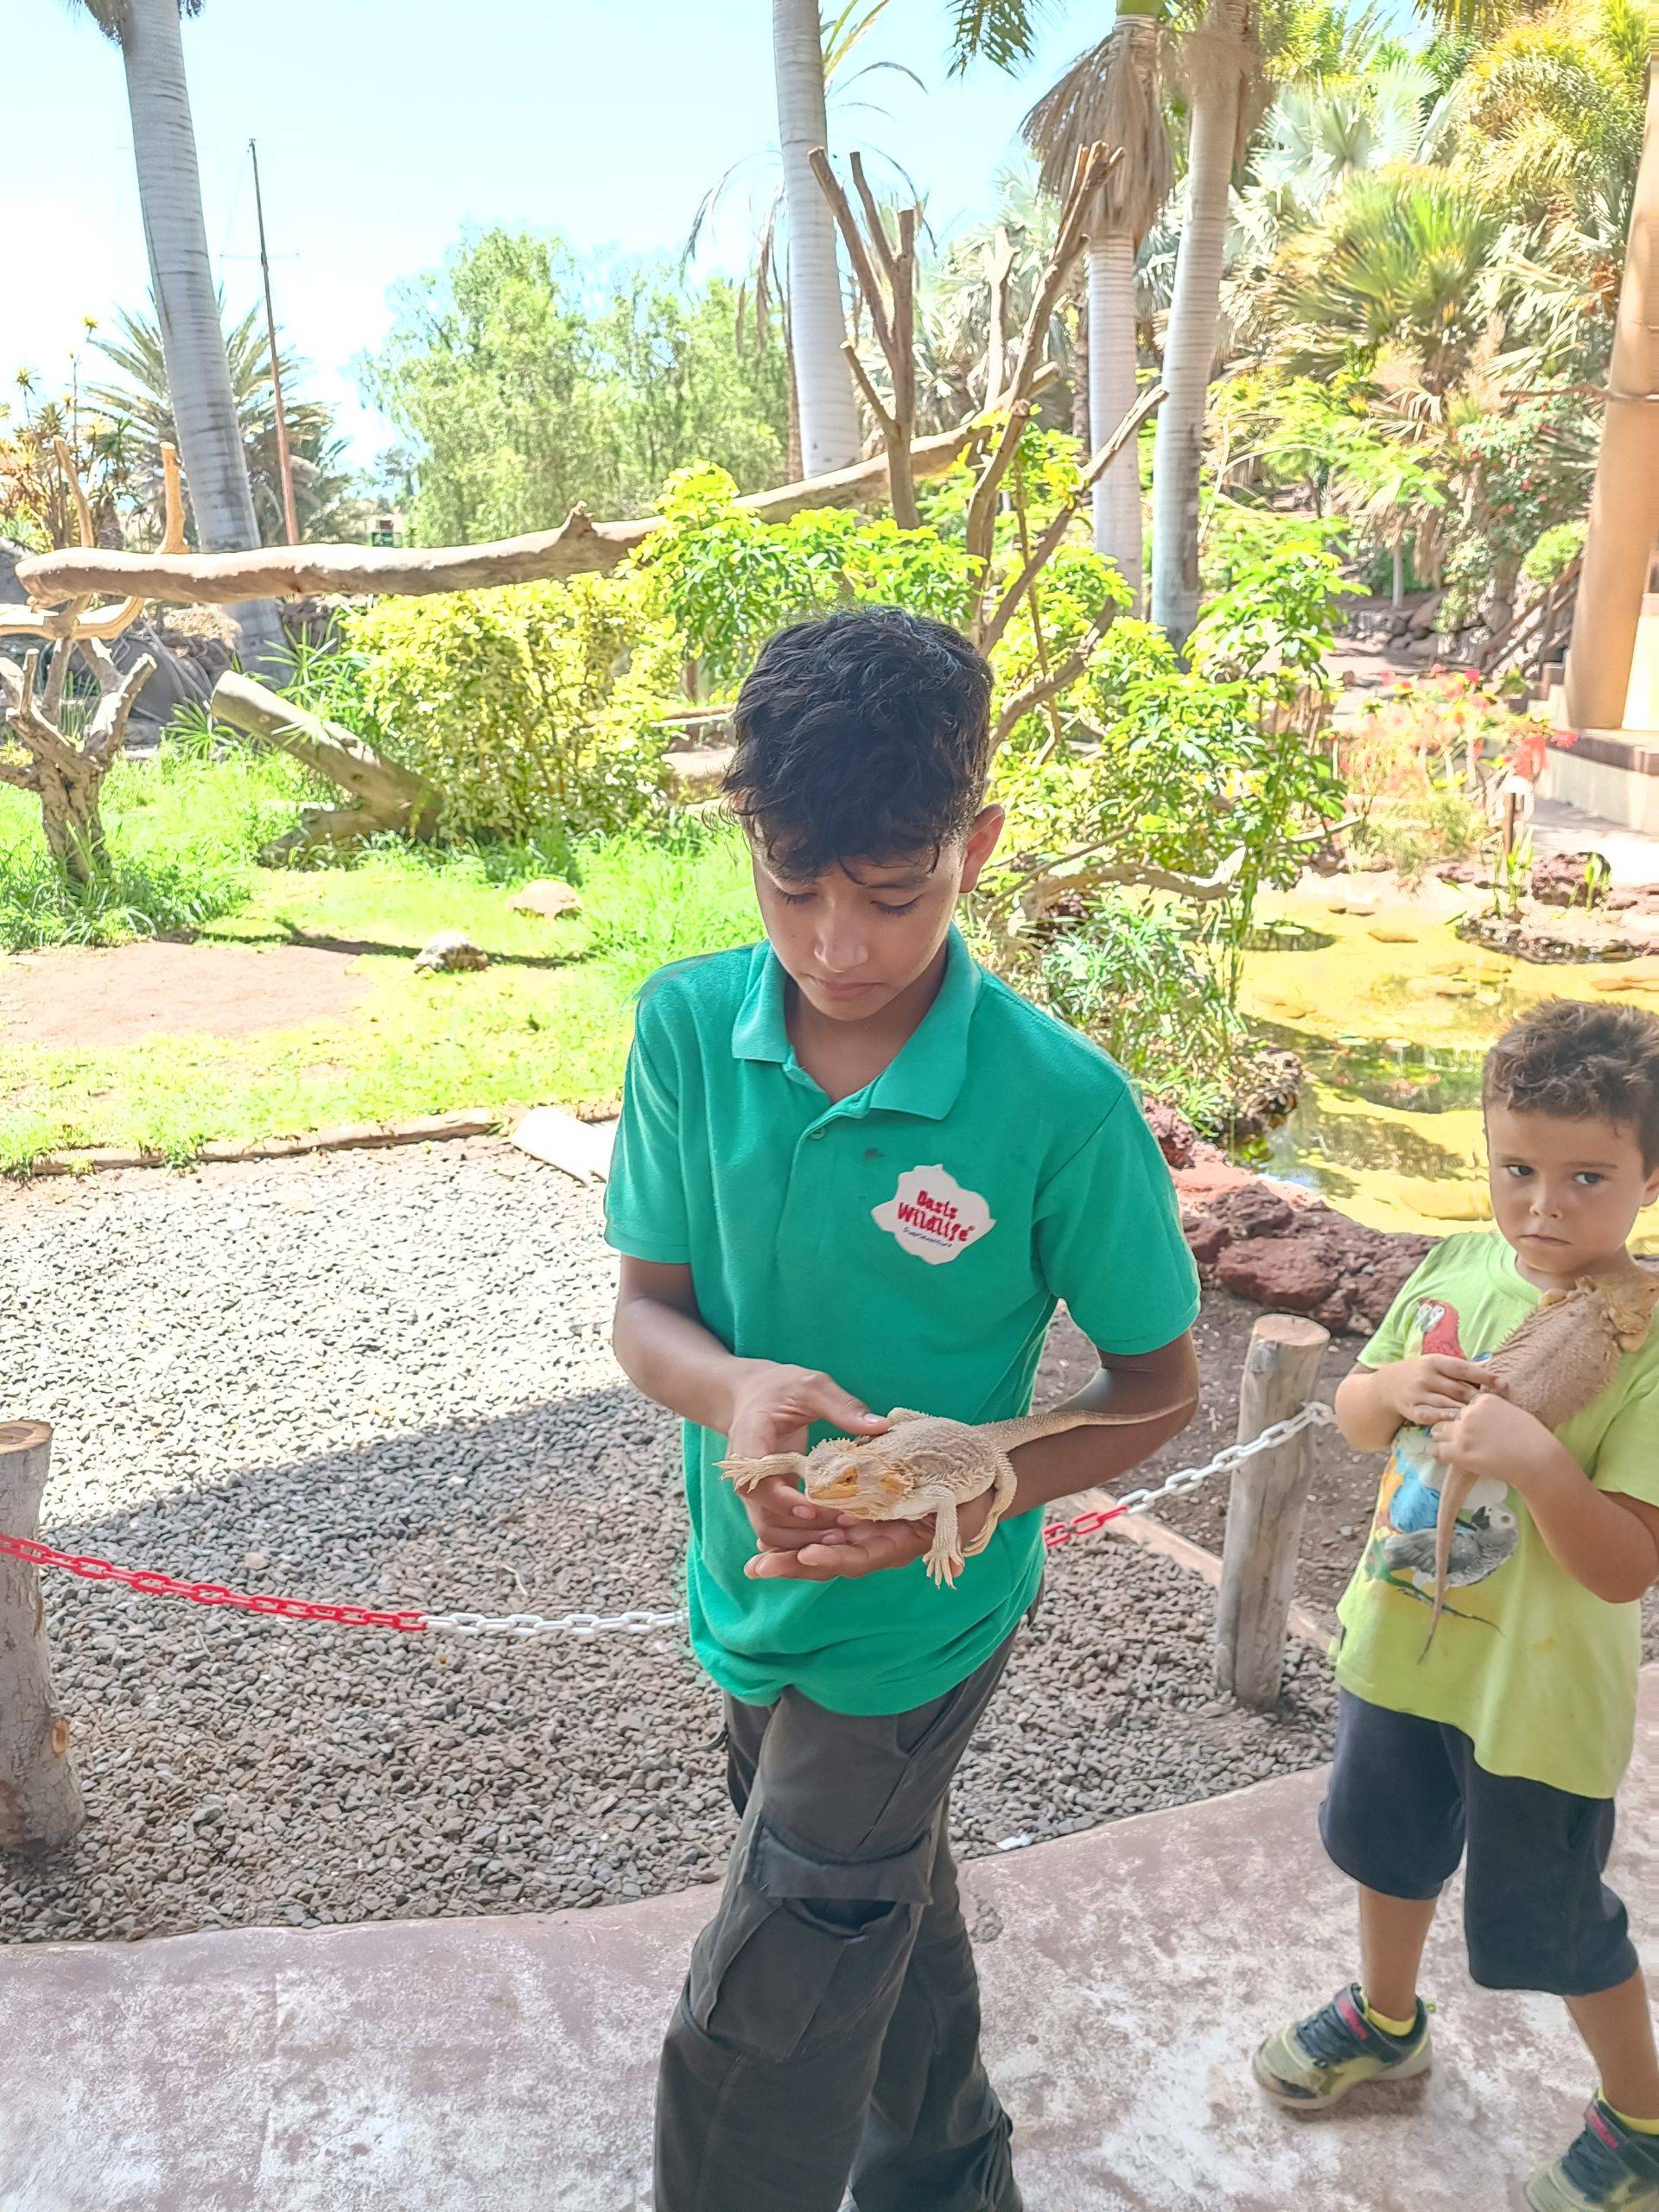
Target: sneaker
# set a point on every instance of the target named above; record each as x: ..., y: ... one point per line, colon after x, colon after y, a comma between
x: 1315, y: 2061
x: 1608, y: 2165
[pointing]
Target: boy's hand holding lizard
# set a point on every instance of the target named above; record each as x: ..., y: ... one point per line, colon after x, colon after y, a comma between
x: 1496, y: 1441
x: 772, y: 1408
x: 1434, y: 1387
x: 796, y: 1541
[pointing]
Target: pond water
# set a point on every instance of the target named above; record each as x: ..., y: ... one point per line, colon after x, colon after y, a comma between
x: 1391, y: 1013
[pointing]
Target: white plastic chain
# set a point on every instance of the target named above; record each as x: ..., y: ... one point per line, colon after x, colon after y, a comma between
x: 1315, y: 1414
x: 636, y: 1624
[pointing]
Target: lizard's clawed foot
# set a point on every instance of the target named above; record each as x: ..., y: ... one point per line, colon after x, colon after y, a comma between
x: 745, y: 1474
x: 944, y: 1566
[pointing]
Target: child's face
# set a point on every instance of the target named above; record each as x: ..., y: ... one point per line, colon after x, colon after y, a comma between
x: 1565, y: 1193
x: 853, y: 939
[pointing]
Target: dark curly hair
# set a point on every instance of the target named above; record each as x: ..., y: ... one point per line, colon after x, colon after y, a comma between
x: 864, y: 736
x: 1579, y: 1061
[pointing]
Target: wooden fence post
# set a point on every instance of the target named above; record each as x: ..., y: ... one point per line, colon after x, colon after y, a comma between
x: 39, y: 1797
x: 1265, y: 1510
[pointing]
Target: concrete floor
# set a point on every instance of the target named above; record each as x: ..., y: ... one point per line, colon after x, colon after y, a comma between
x: 505, y: 2065
x: 1559, y: 827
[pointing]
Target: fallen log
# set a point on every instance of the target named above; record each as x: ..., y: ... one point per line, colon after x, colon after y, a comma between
x: 384, y: 796
x: 579, y: 546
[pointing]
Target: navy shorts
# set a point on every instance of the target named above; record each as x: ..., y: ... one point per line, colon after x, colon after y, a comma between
x: 1407, y: 1799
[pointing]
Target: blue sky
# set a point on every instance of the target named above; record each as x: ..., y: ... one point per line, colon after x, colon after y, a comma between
x: 385, y: 126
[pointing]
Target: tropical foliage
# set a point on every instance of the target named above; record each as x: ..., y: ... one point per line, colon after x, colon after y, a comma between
x: 524, y: 379
x: 136, y: 398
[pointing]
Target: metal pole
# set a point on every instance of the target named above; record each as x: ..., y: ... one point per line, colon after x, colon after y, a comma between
x: 285, y: 458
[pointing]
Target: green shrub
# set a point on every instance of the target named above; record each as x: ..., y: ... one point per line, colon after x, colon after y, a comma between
x: 1128, y: 974
x: 1237, y: 538
x: 726, y: 580
x: 1554, y: 553
x: 533, y: 706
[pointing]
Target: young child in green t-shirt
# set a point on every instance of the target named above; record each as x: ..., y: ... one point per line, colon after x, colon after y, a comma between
x: 1508, y: 1736
x: 856, y: 1171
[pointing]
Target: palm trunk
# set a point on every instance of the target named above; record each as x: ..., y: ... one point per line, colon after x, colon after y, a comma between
x: 1220, y: 66
x: 824, y: 383
x: 192, y: 341
x: 1111, y: 395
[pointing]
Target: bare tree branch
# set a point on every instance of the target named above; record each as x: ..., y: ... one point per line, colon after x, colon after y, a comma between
x: 892, y: 318
x: 999, y: 271
x: 857, y: 252
x: 872, y: 217
x: 107, y: 731
x: 873, y: 399
x: 1063, y: 672
x: 1048, y: 543
x: 578, y: 547
x: 1051, y: 875
x: 29, y: 622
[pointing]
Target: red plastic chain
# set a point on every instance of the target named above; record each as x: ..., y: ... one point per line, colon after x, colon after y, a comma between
x: 155, y: 1584
x: 1056, y: 1533
x: 206, y: 1593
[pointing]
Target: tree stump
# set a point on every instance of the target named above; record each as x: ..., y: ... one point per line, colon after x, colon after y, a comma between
x: 1265, y: 1510
x: 39, y: 1797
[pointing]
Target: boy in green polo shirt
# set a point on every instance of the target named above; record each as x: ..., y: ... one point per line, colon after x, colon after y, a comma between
x: 1510, y: 1730
x: 856, y: 1171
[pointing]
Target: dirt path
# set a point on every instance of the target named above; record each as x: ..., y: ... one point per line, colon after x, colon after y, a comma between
x: 120, y: 995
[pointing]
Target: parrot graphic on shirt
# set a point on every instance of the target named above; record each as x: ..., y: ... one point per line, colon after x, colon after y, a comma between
x: 1401, y: 1550
x: 1414, y: 1506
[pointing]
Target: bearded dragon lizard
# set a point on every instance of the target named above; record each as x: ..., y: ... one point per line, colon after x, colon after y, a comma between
x: 1561, y: 1358
x: 924, y: 1464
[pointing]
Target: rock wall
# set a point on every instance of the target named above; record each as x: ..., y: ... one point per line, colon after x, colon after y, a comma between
x: 1277, y: 1244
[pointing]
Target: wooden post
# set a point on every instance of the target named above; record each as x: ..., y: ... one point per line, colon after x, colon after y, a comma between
x: 39, y: 1797
x: 1265, y: 1510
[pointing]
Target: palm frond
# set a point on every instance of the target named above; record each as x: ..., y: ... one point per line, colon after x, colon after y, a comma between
x: 1113, y: 92
x: 1002, y: 32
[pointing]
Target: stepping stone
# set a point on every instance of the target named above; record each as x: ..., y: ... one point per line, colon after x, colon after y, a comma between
x: 1393, y: 933
x: 580, y: 1149
x: 547, y: 897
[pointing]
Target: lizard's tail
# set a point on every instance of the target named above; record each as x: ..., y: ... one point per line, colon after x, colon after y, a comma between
x: 1453, y: 1491
x: 1055, y: 1424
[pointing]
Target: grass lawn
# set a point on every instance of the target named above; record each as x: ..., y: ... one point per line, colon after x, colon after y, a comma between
x: 549, y: 1022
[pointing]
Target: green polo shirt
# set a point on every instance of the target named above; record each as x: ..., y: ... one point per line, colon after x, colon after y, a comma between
x: 913, y: 1242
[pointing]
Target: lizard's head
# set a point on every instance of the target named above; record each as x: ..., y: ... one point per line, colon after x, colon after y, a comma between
x: 856, y: 1478
x: 1631, y: 1302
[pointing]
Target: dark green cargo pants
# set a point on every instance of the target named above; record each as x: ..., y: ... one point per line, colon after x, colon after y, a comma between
x: 828, y: 2034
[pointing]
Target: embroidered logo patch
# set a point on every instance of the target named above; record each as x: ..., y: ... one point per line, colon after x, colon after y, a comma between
x: 932, y: 1215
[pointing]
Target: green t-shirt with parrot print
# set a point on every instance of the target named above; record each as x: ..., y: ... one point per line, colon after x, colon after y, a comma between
x: 1538, y: 1672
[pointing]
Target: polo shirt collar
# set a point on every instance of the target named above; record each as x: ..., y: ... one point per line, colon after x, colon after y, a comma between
x: 926, y: 1077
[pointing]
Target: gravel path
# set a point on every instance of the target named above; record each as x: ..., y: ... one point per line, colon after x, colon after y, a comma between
x: 384, y: 1377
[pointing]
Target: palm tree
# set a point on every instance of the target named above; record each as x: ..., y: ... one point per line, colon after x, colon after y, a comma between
x: 1114, y: 93
x: 1317, y: 135
x: 1401, y: 264
x: 767, y: 285
x: 141, y: 400
x: 1219, y: 59
x: 831, y: 437
x: 169, y: 192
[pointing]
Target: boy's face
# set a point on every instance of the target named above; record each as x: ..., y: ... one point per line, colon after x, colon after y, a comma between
x: 1565, y: 1193
x: 853, y: 939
